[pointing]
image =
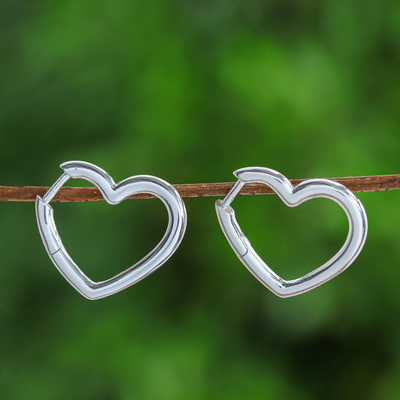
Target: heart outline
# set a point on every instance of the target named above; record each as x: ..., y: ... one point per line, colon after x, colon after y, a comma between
x: 113, y: 193
x: 292, y: 197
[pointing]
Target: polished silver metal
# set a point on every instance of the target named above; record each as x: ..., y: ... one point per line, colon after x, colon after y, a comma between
x: 292, y: 197
x: 113, y: 193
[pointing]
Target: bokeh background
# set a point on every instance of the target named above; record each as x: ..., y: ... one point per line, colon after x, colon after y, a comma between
x: 189, y: 91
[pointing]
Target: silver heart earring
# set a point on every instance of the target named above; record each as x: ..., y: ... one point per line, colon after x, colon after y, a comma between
x: 293, y: 196
x: 113, y: 194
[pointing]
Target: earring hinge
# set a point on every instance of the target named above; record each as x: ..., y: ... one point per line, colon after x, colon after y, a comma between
x: 55, y: 188
x: 237, y: 187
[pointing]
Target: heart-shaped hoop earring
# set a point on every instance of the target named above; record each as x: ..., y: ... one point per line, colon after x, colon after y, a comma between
x: 293, y: 196
x: 113, y: 194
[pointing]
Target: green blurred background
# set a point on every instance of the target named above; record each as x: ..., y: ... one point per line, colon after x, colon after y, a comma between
x: 189, y: 91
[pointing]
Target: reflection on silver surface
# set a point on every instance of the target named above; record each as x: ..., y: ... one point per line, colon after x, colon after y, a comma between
x: 293, y: 196
x: 113, y: 194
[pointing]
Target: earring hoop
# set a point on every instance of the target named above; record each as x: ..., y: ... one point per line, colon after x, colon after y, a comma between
x: 114, y: 194
x: 292, y: 197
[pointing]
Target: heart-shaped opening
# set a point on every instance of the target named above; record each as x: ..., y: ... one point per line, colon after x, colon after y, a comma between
x: 292, y: 241
x: 104, y: 240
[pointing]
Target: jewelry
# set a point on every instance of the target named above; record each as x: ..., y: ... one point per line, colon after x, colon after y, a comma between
x: 113, y: 194
x: 292, y: 197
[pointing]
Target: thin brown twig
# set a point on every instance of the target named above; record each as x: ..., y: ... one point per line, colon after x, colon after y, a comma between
x: 77, y: 194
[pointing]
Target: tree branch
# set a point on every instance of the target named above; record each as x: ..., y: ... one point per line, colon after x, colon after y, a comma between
x: 77, y: 194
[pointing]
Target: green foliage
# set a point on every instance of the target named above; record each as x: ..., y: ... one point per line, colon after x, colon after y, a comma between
x: 190, y: 91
